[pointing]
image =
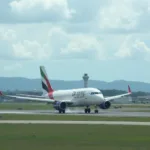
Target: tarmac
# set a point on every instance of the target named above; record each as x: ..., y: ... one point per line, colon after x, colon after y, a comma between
x: 107, y: 113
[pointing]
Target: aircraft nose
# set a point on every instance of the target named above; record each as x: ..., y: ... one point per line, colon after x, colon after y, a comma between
x: 100, y: 97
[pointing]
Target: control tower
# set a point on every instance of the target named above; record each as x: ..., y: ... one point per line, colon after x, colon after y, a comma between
x: 85, y: 78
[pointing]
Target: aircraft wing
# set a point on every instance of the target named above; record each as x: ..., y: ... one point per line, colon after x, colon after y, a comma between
x: 25, y: 95
x: 119, y: 96
x: 29, y: 98
x: 38, y: 99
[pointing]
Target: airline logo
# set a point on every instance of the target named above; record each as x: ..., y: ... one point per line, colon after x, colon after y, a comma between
x: 45, y: 82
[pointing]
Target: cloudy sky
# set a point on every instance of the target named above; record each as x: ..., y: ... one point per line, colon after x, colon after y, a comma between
x: 108, y: 39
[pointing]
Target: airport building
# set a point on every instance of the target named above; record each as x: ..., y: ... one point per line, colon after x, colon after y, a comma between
x: 85, y: 79
x: 141, y: 99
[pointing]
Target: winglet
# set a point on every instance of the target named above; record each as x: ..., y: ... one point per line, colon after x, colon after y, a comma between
x: 1, y: 94
x: 129, y: 89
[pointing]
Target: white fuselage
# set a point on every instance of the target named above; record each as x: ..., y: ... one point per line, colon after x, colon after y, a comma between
x: 80, y: 97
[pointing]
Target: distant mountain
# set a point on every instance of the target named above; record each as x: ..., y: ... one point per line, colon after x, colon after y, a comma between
x: 25, y: 84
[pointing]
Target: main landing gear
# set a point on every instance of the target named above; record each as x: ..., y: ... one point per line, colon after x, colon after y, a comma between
x: 87, y: 110
x: 62, y: 111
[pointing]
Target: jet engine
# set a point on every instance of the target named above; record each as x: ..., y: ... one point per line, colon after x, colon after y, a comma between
x: 60, y: 105
x: 105, y: 105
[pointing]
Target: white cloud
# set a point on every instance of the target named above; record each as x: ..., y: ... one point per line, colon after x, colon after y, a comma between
x: 119, y: 15
x: 77, y: 45
x: 80, y: 43
x: 31, y: 50
x: 126, y: 48
x: 133, y: 48
x: 141, y: 46
x: 83, y: 44
x: 143, y: 50
x: 44, y: 10
x: 8, y: 35
x: 56, y: 44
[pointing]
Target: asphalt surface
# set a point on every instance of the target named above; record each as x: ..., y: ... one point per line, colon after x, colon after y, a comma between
x: 74, y: 122
x: 108, y: 113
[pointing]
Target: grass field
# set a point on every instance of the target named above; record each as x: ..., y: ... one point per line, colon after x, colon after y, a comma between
x: 71, y: 117
x: 133, y: 105
x: 72, y: 137
x: 25, y: 106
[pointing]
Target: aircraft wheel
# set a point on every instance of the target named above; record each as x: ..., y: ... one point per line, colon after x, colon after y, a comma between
x: 96, y: 111
x: 89, y: 110
x: 63, y: 111
x: 59, y: 111
x: 85, y: 110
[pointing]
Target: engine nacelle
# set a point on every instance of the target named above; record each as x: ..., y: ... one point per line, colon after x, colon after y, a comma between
x: 60, y: 105
x: 105, y: 105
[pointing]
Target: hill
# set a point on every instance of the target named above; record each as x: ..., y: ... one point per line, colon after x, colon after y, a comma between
x: 25, y: 84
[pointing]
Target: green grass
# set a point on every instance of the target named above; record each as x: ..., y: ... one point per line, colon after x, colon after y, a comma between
x: 133, y: 105
x: 135, y: 110
x: 72, y: 137
x: 25, y: 106
x: 70, y: 117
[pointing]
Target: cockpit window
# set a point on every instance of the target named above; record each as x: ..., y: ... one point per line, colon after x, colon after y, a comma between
x: 95, y: 93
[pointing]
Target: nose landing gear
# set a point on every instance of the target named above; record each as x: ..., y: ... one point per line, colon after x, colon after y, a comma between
x: 96, y: 110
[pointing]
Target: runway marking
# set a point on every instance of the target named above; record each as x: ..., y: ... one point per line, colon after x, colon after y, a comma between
x: 74, y: 122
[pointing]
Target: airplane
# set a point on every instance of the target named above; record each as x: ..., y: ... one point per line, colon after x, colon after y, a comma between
x: 61, y: 99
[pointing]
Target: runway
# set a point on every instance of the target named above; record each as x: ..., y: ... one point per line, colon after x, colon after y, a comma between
x: 75, y: 122
x: 107, y: 113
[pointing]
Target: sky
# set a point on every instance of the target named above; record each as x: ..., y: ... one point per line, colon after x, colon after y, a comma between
x: 108, y: 39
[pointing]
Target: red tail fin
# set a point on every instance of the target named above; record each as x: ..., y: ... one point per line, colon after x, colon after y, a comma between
x: 129, y: 89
